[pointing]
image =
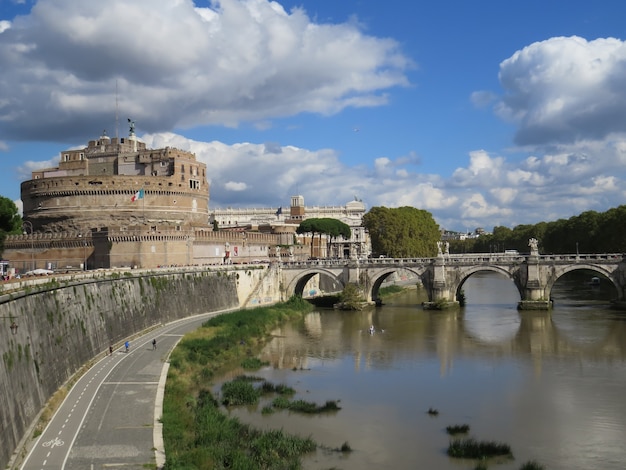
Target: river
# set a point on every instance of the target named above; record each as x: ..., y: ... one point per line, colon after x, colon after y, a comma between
x: 552, y: 385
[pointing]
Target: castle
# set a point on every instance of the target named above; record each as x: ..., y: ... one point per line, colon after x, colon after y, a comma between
x: 116, y: 203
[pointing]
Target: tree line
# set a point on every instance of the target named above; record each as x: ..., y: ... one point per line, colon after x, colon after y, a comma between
x: 10, y: 220
x: 588, y: 232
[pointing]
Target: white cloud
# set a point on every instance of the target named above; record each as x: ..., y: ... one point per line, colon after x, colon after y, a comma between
x: 4, y: 25
x: 177, y: 65
x: 235, y: 186
x: 25, y: 169
x: 482, y: 168
x: 564, y: 90
x: 476, y: 207
x: 482, y: 99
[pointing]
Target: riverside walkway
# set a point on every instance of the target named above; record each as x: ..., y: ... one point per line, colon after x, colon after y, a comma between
x: 111, y: 416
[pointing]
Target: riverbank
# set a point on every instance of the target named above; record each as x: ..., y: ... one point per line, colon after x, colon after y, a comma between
x: 197, y: 434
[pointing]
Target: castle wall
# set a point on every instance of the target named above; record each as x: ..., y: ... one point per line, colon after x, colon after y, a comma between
x: 146, y: 248
x: 86, y: 202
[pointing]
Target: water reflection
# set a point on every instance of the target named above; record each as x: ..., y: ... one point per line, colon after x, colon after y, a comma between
x: 549, y: 384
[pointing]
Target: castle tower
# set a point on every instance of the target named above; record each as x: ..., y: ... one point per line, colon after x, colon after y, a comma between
x: 95, y: 187
x: 297, y: 210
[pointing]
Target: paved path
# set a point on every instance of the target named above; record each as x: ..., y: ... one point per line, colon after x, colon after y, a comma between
x: 110, y: 417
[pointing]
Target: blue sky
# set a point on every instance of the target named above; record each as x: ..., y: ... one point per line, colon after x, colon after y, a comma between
x: 483, y: 113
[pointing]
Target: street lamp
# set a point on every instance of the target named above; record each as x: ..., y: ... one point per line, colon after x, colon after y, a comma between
x: 29, y: 224
x: 13, y: 328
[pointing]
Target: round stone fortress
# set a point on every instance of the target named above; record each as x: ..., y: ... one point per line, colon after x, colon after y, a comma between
x: 118, y: 183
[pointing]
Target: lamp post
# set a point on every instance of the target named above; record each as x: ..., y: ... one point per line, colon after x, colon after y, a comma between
x: 29, y: 225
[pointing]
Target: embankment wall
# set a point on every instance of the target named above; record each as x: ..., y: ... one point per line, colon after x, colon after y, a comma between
x: 65, y: 322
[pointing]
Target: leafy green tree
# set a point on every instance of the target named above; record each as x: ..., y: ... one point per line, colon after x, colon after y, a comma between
x: 10, y: 220
x: 403, y: 232
x: 588, y: 232
x: 351, y: 297
x: 332, y: 228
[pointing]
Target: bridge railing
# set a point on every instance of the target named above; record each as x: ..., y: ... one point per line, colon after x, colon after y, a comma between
x: 463, y: 259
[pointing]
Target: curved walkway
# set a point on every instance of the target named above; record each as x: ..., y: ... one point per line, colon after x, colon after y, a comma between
x: 111, y: 416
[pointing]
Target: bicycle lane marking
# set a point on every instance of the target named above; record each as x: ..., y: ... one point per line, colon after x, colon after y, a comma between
x: 55, y: 443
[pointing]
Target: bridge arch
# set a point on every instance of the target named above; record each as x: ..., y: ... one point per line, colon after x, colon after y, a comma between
x: 464, y: 274
x: 297, y: 284
x: 560, y: 271
x: 377, y: 279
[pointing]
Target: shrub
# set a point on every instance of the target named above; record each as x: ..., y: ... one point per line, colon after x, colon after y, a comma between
x: 457, y: 429
x: 239, y: 392
x: 472, y: 449
x: 532, y: 465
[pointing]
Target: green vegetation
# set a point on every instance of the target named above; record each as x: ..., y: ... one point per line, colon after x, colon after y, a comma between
x: 390, y: 290
x: 532, y: 465
x: 472, y: 449
x: 239, y: 392
x: 404, y: 232
x: 253, y: 363
x: 332, y: 228
x: 351, y: 297
x: 303, y: 406
x: 197, y: 434
x: 458, y: 429
x: 589, y: 232
x: 10, y: 220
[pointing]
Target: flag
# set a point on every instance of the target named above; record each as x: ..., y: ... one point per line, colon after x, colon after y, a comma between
x: 279, y: 211
x: 137, y: 195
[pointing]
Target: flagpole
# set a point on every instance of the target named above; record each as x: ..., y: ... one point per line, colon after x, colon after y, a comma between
x: 143, y: 205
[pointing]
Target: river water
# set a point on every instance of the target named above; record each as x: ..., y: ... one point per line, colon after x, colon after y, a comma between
x: 552, y: 385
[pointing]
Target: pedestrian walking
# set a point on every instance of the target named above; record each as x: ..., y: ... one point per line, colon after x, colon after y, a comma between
x: 127, y: 345
x: 154, y: 343
x: 110, y: 350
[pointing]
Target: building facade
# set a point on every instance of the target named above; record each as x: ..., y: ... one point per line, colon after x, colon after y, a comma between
x: 116, y: 203
x: 285, y: 221
x: 118, y: 183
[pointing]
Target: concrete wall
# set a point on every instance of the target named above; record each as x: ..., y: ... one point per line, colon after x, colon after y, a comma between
x: 63, y: 322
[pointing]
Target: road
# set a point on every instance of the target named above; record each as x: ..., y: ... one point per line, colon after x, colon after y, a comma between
x: 110, y: 417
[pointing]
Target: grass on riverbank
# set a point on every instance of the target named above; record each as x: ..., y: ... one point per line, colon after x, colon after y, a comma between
x: 197, y: 434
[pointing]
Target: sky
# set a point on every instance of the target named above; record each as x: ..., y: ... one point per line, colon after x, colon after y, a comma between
x: 485, y: 113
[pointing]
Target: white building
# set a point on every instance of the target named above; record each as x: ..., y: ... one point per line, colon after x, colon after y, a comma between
x: 279, y: 220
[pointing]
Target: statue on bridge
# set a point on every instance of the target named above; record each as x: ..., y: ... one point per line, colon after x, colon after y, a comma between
x: 534, y: 246
x: 443, y: 248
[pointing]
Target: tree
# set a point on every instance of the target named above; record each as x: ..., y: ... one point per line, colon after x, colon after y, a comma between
x: 332, y: 228
x: 403, y: 232
x: 10, y: 220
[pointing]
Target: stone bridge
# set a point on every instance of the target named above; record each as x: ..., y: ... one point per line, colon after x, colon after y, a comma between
x: 443, y: 276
